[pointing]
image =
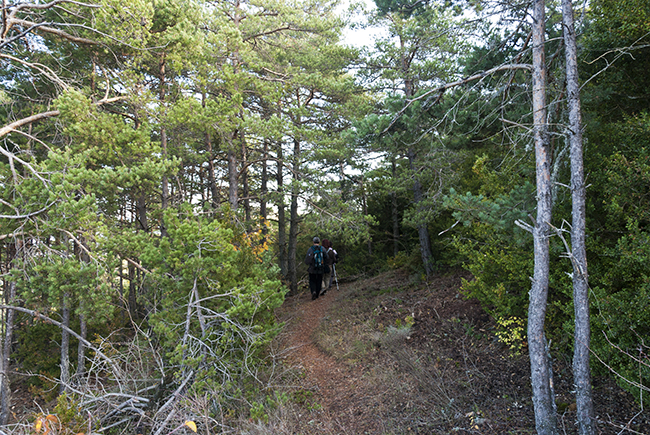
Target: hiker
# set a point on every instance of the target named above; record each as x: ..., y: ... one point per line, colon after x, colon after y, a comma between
x: 330, y: 258
x: 315, y: 259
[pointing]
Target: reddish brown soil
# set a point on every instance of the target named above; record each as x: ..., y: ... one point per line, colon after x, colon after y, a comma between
x: 347, y: 405
x: 448, y: 374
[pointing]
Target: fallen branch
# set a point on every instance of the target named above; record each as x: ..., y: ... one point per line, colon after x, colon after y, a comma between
x: 65, y: 328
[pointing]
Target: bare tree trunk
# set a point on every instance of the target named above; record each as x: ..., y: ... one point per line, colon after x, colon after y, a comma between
x: 81, y: 348
x: 423, y: 231
x: 244, y: 179
x: 163, y: 145
x: 364, y: 210
x: 232, y: 178
x: 5, y: 384
x: 141, y: 209
x: 133, y: 297
x: 282, y: 224
x: 395, y: 211
x: 214, y: 193
x: 294, y: 220
x: 264, y: 187
x: 581, y: 371
x: 214, y: 200
x: 65, y: 345
x: 543, y: 400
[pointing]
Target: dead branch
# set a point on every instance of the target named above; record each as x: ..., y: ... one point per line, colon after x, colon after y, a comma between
x: 25, y: 216
x: 39, y: 67
x: 45, y: 27
x: 638, y: 385
x: 171, y: 400
x: 65, y: 328
x: 441, y: 89
x: 40, y: 116
x: 79, y: 243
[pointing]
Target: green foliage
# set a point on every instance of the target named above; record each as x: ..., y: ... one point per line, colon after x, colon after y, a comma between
x: 37, y: 352
x: 257, y: 413
x: 620, y: 274
x: 68, y: 412
x: 496, y: 252
x: 226, y: 274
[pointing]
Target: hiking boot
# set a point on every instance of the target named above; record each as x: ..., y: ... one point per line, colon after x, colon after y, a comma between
x: 314, y: 296
x: 323, y: 292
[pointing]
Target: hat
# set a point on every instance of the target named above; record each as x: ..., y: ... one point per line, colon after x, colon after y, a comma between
x: 316, y: 240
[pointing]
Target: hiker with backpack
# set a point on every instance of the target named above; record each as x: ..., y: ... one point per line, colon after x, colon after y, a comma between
x: 331, y: 257
x: 315, y: 259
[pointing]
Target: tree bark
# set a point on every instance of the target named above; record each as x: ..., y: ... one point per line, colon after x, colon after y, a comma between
x: 65, y: 345
x: 133, y: 297
x: 212, y: 179
x: 264, y: 187
x: 81, y: 348
x: 5, y: 384
x: 232, y: 178
x: 395, y: 211
x: 141, y: 212
x: 294, y: 220
x: 214, y: 193
x: 423, y: 231
x: 364, y: 210
x: 244, y: 179
x: 282, y: 224
x: 543, y: 400
x: 163, y: 145
x: 581, y: 371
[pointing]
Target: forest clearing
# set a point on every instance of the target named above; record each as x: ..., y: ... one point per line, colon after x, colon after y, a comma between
x: 373, y: 372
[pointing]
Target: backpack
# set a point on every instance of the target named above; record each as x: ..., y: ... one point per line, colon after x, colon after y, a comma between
x: 319, y: 261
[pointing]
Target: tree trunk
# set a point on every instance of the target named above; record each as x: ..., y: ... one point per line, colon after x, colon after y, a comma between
x: 264, y: 187
x: 232, y: 178
x: 163, y: 145
x: 133, y: 297
x: 214, y: 193
x: 364, y: 210
x: 244, y: 180
x: 282, y: 225
x: 294, y: 220
x: 81, y: 348
x: 141, y: 212
x: 5, y: 384
x: 423, y: 231
x: 543, y: 400
x: 581, y: 371
x: 65, y: 345
x: 214, y: 200
x: 395, y: 211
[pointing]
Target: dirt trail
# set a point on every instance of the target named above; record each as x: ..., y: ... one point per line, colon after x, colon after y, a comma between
x: 348, y: 406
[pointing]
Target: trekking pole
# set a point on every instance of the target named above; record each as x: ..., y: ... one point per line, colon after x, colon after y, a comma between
x: 335, y: 277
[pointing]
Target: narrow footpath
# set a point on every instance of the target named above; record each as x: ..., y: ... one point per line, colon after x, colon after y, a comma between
x: 347, y: 406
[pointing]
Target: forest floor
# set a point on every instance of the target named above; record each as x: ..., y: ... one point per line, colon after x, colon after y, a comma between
x: 391, y: 355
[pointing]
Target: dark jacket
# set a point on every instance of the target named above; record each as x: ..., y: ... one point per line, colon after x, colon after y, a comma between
x: 309, y: 259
